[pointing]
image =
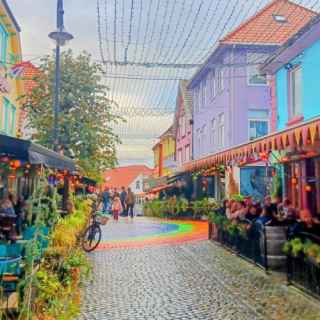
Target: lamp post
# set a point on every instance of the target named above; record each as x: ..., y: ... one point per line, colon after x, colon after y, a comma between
x: 60, y: 37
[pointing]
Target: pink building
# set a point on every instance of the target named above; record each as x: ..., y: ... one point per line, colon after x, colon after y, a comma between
x: 183, y: 124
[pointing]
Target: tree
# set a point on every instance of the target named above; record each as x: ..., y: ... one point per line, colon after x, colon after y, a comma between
x: 85, y: 118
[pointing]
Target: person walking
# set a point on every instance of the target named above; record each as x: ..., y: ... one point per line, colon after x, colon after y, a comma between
x: 130, y: 202
x: 106, y: 200
x: 116, y: 207
x: 123, y: 197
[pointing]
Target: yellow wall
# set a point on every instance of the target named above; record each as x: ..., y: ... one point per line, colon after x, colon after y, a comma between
x: 9, y: 104
x: 169, y: 147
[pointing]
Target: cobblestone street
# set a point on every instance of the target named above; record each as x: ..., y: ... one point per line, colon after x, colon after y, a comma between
x: 190, y: 280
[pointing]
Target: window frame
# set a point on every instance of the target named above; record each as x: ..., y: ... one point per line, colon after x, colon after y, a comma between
x: 187, y: 152
x: 6, y: 110
x: 213, y: 132
x: 261, y: 120
x: 249, y: 67
x: 4, y: 44
x: 213, y: 88
x: 291, y: 86
x: 221, y: 128
x: 182, y: 126
x: 220, y: 80
x: 203, y: 93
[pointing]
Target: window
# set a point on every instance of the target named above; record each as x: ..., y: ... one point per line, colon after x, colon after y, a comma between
x: 220, y: 79
x: 183, y: 126
x: 6, y: 110
x: 253, y: 72
x: 295, y: 92
x: 258, y: 128
x: 203, y: 93
x: 196, y: 99
x: 187, y: 151
x: 203, y: 137
x: 138, y: 185
x: 8, y: 118
x: 212, y: 85
x: 258, y: 123
x: 279, y: 18
x: 180, y: 156
x: 221, y: 130
x: 199, y: 141
x: 213, y: 132
x: 3, y: 43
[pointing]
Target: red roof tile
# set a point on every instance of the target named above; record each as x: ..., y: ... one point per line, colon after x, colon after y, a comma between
x: 124, y: 176
x: 262, y: 28
x: 30, y: 71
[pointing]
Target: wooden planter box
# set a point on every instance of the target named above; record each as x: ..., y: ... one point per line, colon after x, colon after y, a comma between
x: 213, y: 231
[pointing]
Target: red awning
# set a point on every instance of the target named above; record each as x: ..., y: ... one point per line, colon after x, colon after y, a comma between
x: 160, y: 188
x: 305, y: 133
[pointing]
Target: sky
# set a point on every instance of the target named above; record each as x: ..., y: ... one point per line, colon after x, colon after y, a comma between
x: 141, y: 31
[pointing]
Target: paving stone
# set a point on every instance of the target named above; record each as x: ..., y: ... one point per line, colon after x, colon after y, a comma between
x: 188, y: 281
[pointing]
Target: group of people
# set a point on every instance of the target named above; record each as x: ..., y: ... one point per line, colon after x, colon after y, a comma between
x: 13, y: 214
x: 118, y: 202
x: 270, y: 212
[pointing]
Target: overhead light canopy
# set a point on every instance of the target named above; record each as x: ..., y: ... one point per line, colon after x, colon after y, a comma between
x: 61, y: 37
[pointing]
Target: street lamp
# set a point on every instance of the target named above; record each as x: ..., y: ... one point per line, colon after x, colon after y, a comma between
x: 60, y: 37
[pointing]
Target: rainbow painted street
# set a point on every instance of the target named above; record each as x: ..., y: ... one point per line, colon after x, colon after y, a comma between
x: 142, y: 232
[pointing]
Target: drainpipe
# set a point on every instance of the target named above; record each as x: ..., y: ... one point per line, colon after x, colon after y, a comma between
x: 160, y: 160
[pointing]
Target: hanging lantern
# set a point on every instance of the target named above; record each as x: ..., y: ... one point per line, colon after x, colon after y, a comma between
x: 263, y: 156
x: 308, y: 188
x: 15, y: 164
x: 4, y: 159
x: 294, y: 181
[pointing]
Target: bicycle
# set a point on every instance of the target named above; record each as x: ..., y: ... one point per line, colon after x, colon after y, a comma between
x: 92, y: 235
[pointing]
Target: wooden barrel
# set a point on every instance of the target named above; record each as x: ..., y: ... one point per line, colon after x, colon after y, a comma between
x: 210, y: 230
x: 276, y: 236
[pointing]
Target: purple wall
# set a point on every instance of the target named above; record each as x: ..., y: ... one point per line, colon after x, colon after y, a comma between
x: 234, y: 101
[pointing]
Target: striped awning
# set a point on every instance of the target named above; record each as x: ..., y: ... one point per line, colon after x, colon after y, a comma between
x: 302, y: 134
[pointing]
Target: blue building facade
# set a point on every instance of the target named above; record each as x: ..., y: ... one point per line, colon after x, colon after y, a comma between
x: 294, y: 73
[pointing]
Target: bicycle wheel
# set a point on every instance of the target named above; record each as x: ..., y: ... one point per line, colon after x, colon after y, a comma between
x: 91, y: 238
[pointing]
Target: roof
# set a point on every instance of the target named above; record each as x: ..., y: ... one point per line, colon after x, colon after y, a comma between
x: 169, y: 132
x: 307, y: 35
x: 186, y: 96
x: 262, y: 28
x: 28, y: 74
x: 10, y: 14
x: 124, y: 176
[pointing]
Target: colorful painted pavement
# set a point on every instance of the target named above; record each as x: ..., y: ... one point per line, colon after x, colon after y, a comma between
x: 141, y: 232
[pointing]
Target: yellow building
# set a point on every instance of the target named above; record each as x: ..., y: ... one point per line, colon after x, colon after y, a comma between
x: 164, y: 154
x: 11, y: 88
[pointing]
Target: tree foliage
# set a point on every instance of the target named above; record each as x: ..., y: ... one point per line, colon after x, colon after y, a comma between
x: 85, y: 118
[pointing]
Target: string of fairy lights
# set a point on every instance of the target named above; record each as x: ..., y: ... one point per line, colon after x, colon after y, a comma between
x: 148, y: 46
